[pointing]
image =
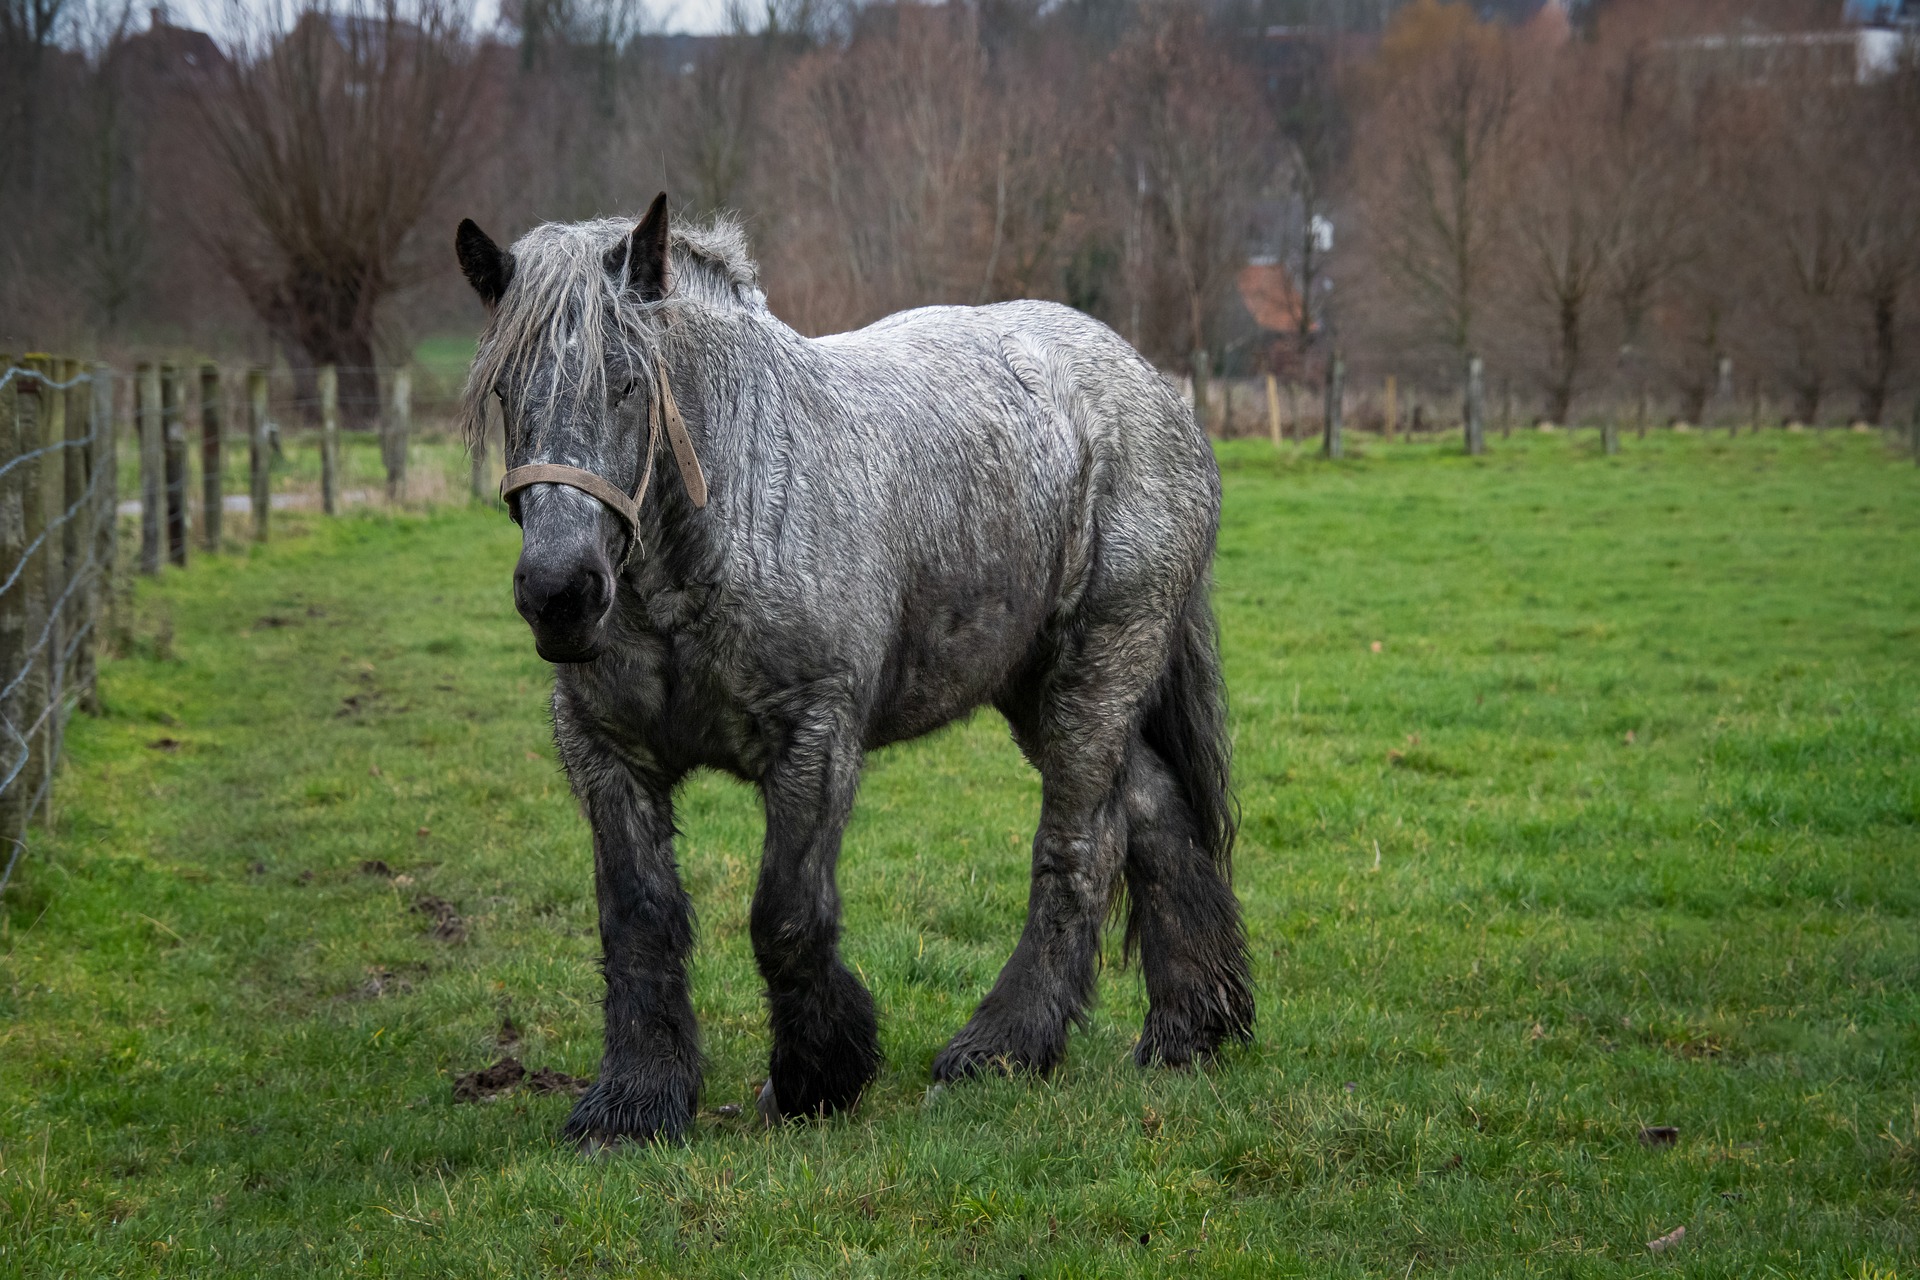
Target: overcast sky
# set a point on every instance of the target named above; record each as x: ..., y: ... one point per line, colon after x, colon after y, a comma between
x: 700, y: 17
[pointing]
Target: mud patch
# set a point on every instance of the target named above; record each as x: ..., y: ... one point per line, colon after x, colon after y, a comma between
x: 490, y: 1084
x: 547, y: 1080
x: 447, y: 924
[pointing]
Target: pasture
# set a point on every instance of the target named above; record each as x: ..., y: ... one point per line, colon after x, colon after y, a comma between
x: 1581, y: 799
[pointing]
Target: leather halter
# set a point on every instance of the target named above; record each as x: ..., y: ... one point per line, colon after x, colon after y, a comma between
x: 627, y: 508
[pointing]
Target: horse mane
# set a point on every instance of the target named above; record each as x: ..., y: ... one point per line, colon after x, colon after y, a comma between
x: 562, y: 304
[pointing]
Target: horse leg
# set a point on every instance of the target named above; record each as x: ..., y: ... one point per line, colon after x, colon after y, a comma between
x: 649, y: 1079
x: 1182, y: 912
x: 1077, y: 736
x: 826, y: 1042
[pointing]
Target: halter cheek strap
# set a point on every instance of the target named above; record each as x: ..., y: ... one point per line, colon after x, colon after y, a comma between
x: 627, y: 508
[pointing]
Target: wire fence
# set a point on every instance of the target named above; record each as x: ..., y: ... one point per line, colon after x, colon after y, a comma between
x: 62, y: 425
x: 57, y: 487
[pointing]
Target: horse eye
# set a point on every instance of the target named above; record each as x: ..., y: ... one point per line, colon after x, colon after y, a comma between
x: 628, y: 389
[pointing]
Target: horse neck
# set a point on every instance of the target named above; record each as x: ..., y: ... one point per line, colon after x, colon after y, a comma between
x: 723, y: 368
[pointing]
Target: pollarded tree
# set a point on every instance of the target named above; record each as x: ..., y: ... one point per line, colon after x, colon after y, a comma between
x: 336, y: 133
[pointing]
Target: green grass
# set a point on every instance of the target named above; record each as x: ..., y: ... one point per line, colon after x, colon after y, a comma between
x: 1618, y: 826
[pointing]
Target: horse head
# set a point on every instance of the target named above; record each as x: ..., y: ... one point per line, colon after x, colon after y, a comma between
x: 565, y: 352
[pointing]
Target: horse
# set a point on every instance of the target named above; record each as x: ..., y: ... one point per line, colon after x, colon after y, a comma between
x: 874, y: 534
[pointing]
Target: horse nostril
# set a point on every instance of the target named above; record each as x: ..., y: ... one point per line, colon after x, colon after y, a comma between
x: 580, y: 593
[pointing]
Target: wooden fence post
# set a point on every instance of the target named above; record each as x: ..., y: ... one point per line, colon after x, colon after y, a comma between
x: 1393, y: 407
x: 329, y: 439
x: 74, y: 533
x: 212, y: 454
x: 393, y: 441
x: 100, y: 470
x: 259, y: 452
x: 1333, y: 443
x: 13, y: 615
x: 53, y: 552
x: 1273, y: 410
x: 146, y: 389
x: 1476, y: 407
x: 173, y: 433
x: 30, y: 713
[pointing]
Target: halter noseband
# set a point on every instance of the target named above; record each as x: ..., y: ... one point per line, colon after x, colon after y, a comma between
x: 627, y: 508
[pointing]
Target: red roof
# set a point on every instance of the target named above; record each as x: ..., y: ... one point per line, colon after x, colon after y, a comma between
x: 1269, y: 297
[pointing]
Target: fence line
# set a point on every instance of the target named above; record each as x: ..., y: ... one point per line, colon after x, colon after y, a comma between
x: 59, y: 496
x: 56, y: 436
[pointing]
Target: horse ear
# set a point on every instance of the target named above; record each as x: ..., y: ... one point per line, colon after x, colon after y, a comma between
x: 643, y: 255
x: 488, y: 267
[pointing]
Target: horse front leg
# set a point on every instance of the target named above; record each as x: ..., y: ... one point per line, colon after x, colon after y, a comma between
x: 649, y: 1083
x: 826, y: 1043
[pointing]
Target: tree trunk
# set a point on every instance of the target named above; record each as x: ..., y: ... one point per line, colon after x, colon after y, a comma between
x: 1560, y: 394
x: 1806, y: 401
x: 1873, y: 395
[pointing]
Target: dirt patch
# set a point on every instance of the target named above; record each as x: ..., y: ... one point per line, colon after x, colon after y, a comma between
x: 547, y: 1080
x: 447, y: 924
x: 168, y: 745
x: 490, y: 1084
x: 376, y: 867
x: 1656, y: 1136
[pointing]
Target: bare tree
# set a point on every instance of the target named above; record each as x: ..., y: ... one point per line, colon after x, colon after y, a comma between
x: 1203, y: 155
x: 336, y: 134
x: 1434, y: 154
x: 1884, y: 230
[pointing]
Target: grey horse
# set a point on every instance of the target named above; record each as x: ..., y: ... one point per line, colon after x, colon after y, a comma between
x: 869, y: 535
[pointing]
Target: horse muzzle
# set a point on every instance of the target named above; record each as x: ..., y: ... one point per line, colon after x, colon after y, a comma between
x: 565, y: 601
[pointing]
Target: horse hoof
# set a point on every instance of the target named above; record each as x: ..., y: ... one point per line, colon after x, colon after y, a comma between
x: 598, y: 1146
x: 768, y: 1107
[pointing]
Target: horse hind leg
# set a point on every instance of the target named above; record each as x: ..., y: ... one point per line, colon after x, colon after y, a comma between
x: 1183, y: 916
x: 1074, y: 726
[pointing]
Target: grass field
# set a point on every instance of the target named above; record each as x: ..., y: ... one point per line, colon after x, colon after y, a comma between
x: 1582, y: 795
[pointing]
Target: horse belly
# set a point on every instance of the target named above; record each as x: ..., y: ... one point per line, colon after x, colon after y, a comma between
x: 950, y: 656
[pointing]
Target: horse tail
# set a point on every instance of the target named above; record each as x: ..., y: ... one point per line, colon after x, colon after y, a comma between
x: 1186, y: 725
